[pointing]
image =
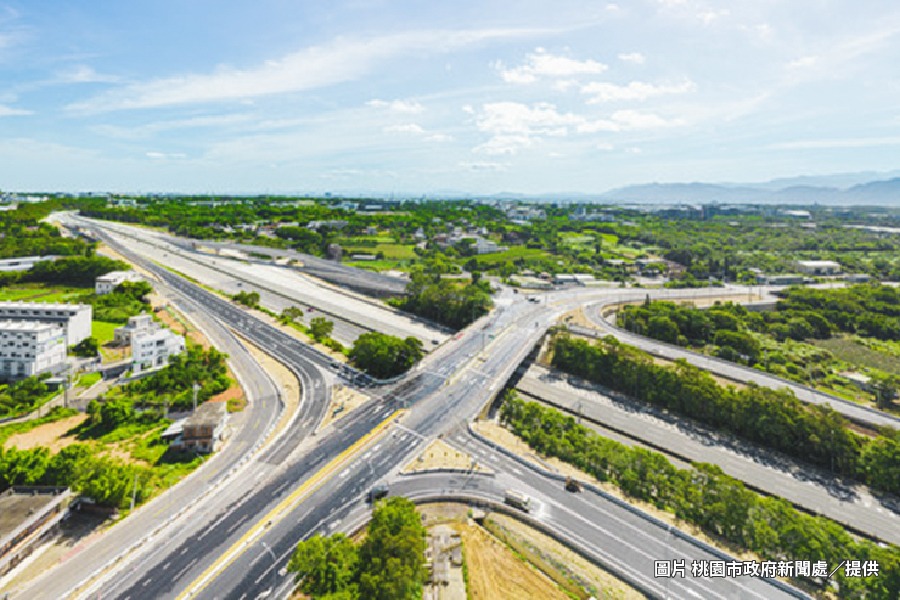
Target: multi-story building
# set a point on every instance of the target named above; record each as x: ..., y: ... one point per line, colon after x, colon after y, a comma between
x: 29, y: 348
x: 138, y: 325
x: 23, y: 263
x: 152, y: 350
x: 73, y: 319
x: 105, y: 284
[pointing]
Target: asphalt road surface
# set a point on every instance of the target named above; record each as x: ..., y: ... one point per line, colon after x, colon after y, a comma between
x: 770, y: 473
x: 452, y: 385
x: 855, y: 412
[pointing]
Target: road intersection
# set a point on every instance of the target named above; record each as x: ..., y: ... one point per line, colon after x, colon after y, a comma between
x: 440, y: 396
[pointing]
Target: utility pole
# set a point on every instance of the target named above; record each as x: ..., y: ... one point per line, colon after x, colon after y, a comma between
x: 134, y: 492
x: 195, y: 388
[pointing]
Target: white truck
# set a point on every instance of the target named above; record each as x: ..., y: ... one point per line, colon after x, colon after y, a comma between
x: 517, y: 500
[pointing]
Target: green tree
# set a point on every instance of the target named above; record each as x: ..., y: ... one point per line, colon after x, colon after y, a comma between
x: 325, y: 565
x: 384, y: 356
x: 87, y: 347
x: 393, y: 553
x: 320, y: 328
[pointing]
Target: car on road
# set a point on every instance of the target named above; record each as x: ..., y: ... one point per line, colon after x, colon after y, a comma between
x: 572, y: 485
x: 376, y: 493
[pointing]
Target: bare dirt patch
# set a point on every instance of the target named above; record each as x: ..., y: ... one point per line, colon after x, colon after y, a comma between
x: 579, y: 575
x: 344, y: 400
x: 440, y: 455
x: 49, y: 435
x: 286, y: 382
x: 495, y: 573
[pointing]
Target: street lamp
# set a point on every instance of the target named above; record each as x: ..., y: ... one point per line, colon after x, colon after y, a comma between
x: 274, y: 561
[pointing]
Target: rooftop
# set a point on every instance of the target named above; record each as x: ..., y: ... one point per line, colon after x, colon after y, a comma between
x: 26, y: 326
x: 116, y: 275
x: 208, y: 413
x: 43, y: 305
x: 818, y: 263
x: 16, y: 506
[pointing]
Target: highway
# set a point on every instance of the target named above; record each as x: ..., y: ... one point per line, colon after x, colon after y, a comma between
x: 249, y: 426
x: 279, y: 287
x: 442, y: 394
x: 851, y: 410
x: 802, y: 485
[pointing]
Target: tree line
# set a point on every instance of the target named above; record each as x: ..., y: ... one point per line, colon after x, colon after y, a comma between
x: 387, y: 565
x: 705, y: 496
x: 445, y: 301
x: 775, y: 419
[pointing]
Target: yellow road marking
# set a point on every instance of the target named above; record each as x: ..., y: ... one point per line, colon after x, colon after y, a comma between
x: 280, y: 511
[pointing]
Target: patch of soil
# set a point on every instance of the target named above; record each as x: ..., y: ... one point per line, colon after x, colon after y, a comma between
x: 49, y: 435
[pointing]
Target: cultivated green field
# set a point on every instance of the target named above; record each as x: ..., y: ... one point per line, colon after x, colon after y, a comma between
x: 33, y: 292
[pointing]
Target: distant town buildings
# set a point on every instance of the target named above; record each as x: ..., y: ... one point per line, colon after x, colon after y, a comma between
x: 28, y: 348
x: 73, y: 319
x: 818, y: 267
x: 332, y: 224
x: 105, y: 284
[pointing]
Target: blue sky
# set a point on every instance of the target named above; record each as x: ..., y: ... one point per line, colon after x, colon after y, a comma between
x: 479, y: 96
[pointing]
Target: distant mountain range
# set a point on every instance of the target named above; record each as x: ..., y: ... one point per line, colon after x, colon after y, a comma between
x: 861, y: 188
x: 843, y: 189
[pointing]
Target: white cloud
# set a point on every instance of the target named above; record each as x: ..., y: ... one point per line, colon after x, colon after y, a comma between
x: 85, y: 74
x: 635, y: 58
x: 165, y: 155
x: 867, y: 142
x: 149, y: 129
x: 602, y: 91
x: 484, y: 166
x: 406, y: 128
x: 504, y: 145
x: 401, y: 106
x: 708, y: 17
x: 418, y: 130
x: 514, y: 126
x: 344, y: 59
x: 633, y: 119
x: 542, y: 64
x: 804, y: 62
x: 8, y: 111
x: 501, y: 118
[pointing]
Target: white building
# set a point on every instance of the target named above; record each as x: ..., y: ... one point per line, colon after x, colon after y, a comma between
x: 152, y: 350
x: 22, y: 263
x: 74, y: 319
x: 105, y: 284
x: 818, y: 267
x: 30, y: 348
x: 137, y: 325
x: 483, y: 246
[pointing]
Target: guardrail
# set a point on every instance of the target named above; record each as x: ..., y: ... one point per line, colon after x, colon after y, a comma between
x: 630, y: 508
x: 179, y: 283
x: 714, y: 359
